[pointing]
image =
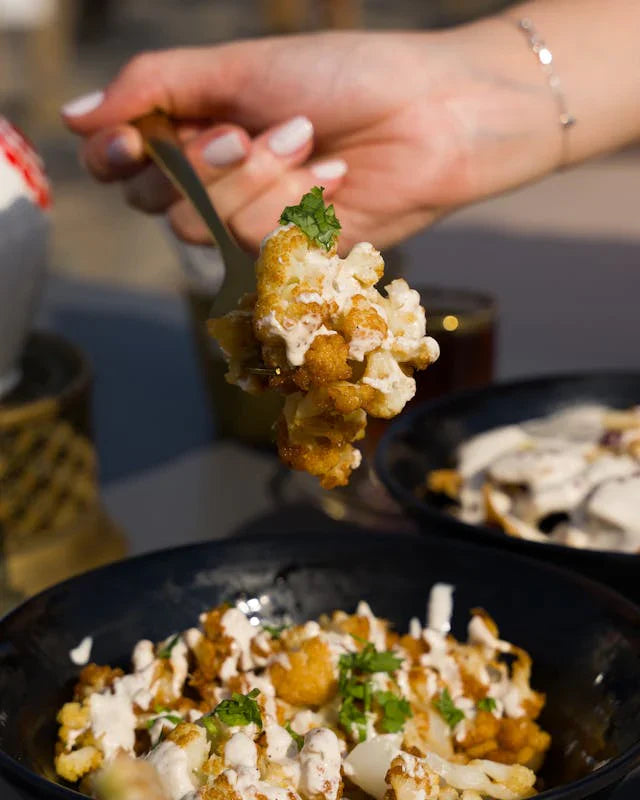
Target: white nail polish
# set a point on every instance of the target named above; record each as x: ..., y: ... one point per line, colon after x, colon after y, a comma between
x: 329, y: 170
x: 224, y: 150
x: 290, y: 137
x: 83, y: 105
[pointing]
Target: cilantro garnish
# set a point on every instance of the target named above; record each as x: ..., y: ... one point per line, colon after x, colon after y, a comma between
x: 444, y: 704
x: 274, y: 630
x: 240, y: 709
x: 299, y: 740
x: 210, y: 725
x: 313, y: 218
x: 174, y: 718
x: 369, y: 660
x: 165, y: 652
x: 395, y: 709
x: 356, y: 690
x: 487, y: 704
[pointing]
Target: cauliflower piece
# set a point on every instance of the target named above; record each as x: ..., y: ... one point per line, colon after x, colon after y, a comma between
x: 320, y: 763
x: 74, y: 765
x: 178, y: 757
x: 126, y: 778
x: 308, y: 678
x: 497, y: 781
x: 340, y: 348
x: 409, y: 778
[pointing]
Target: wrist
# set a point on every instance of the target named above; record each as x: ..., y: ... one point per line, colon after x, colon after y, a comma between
x: 501, y: 98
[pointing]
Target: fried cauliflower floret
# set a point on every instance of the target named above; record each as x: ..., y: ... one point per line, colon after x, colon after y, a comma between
x: 126, y: 778
x: 234, y: 333
x: 319, y: 321
x: 409, y: 778
x: 95, y: 678
x: 306, y: 676
x: 73, y: 719
x: 74, y: 765
x: 319, y: 441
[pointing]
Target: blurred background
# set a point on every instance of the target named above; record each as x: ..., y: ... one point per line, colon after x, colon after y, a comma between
x: 561, y: 258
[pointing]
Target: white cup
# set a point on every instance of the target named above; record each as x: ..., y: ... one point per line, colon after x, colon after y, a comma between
x: 24, y: 232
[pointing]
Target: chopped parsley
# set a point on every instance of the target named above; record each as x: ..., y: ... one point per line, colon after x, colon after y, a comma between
x: 487, y: 704
x: 395, y: 711
x: 299, y: 740
x: 274, y: 630
x: 358, y: 696
x: 165, y: 652
x: 174, y: 718
x: 314, y: 218
x: 368, y: 660
x: 444, y: 704
x: 209, y: 724
x: 240, y: 709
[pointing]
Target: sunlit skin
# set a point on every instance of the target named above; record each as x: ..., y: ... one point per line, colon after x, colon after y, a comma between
x: 426, y: 122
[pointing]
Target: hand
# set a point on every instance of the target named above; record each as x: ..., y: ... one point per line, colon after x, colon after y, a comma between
x: 400, y: 128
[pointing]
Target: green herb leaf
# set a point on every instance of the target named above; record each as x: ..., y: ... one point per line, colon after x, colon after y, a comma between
x: 299, y: 740
x: 487, y: 704
x: 174, y: 718
x: 352, y: 718
x: 274, y: 630
x: 314, y: 218
x: 356, y: 690
x: 240, y: 709
x: 210, y: 724
x: 370, y: 660
x: 444, y: 704
x: 165, y: 652
x: 395, y: 711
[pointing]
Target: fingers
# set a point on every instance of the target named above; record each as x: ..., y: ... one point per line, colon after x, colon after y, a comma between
x: 211, y: 153
x: 250, y: 223
x: 187, y: 83
x: 114, y: 153
x: 272, y: 154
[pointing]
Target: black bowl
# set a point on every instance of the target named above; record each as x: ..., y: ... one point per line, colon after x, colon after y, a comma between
x: 583, y: 638
x: 427, y: 438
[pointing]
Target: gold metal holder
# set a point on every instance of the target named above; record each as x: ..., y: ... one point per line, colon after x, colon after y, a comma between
x: 52, y: 523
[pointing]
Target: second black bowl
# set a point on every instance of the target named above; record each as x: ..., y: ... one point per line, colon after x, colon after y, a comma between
x: 427, y: 438
x: 582, y: 638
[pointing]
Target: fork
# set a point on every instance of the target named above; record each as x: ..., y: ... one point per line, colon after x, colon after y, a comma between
x: 163, y: 147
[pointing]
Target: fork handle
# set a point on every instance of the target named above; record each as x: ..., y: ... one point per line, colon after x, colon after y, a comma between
x: 164, y: 148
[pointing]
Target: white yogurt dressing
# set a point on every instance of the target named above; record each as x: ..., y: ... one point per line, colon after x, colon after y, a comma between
x: 557, y: 465
x: 320, y: 762
x: 81, y: 654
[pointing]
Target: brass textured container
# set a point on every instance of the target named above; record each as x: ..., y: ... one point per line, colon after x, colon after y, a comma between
x: 52, y: 523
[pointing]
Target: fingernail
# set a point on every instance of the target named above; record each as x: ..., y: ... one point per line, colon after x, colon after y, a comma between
x: 330, y: 170
x: 83, y: 105
x: 290, y: 137
x: 224, y: 150
x: 123, y: 150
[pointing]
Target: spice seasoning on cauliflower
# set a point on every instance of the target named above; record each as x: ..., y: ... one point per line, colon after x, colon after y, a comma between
x: 309, y: 711
x: 339, y: 348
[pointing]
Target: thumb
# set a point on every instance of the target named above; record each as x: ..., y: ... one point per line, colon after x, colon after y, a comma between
x: 189, y: 83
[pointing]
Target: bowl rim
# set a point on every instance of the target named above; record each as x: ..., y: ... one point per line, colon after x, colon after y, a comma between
x: 415, y: 506
x: 613, y: 771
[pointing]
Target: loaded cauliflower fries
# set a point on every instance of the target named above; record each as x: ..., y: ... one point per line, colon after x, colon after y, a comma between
x: 339, y: 707
x: 320, y: 333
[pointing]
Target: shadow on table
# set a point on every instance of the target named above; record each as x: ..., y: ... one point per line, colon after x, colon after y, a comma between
x: 149, y: 405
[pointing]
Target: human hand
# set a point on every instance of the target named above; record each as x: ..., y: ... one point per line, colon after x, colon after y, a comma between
x: 400, y: 128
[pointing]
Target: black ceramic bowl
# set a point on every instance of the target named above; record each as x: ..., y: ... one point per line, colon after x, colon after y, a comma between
x: 427, y: 438
x: 582, y: 637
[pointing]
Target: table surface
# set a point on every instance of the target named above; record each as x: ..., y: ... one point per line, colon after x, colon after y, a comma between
x: 562, y: 257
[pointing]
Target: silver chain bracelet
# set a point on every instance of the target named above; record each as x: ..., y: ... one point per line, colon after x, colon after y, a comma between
x: 545, y: 58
